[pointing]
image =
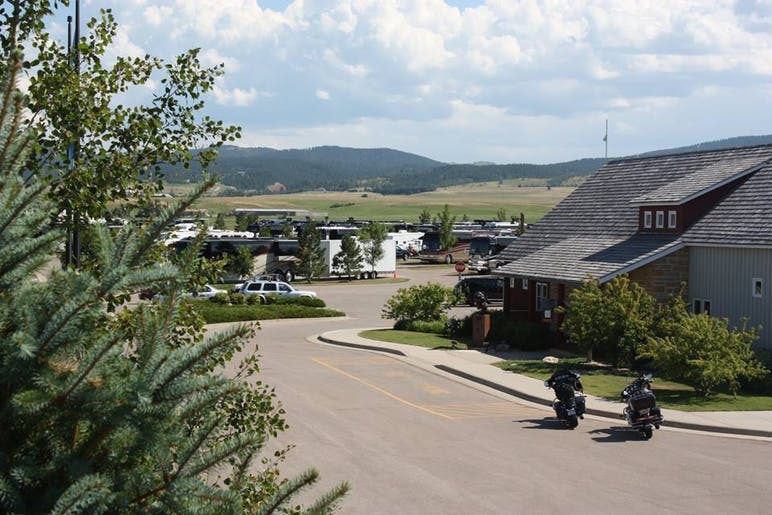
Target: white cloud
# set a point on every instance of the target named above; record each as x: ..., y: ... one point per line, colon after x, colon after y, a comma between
x: 236, y: 97
x: 419, y: 74
x: 156, y: 15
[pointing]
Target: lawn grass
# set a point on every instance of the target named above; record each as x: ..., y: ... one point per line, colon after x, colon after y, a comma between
x: 431, y: 341
x: 608, y: 383
x: 598, y: 380
x: 476, y: 201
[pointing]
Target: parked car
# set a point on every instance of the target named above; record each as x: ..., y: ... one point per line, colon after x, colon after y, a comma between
x: 207, y: 291
x: 492, y: 286
x: 266, y: 288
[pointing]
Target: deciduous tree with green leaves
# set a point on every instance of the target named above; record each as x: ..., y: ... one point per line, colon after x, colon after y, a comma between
x: 75, y: 99
x: 701, y: 350
x: 372, y: 237
x: 610, y: 320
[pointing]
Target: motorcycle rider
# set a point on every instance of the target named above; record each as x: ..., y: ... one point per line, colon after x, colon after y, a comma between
x: 565, y: 382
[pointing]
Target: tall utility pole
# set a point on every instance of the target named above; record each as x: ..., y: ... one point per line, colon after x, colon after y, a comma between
x: 73, y: 220
x: 605, y: 139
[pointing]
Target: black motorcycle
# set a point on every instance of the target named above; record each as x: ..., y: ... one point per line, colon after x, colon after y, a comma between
x: 641, y: 411
x: 569, y: 404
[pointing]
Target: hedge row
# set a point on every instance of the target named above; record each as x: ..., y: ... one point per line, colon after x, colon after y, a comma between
x: 217, y: 313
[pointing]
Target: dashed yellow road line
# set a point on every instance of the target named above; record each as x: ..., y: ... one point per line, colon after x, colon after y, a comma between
x: 475, y: 410
x: 380, y: 390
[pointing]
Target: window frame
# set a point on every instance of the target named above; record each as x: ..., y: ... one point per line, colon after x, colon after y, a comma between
x: 672, y: 219
x: 757, y: 293
x: 701, y: 306
x: 647, y: 219
x: 659, y: 220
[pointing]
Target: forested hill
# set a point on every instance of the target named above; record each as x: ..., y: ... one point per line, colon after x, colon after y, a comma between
x: 263, y: 170
x: 334, y: 168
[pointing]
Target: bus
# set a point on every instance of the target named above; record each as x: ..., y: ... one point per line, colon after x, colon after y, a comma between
x: 272, y: 256
x: 483, y: 248
x: 432, y: 251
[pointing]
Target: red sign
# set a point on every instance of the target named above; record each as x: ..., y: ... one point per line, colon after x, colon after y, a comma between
x: 460, y: 266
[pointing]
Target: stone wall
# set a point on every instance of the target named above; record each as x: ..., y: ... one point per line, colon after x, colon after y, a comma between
x: 664, y: 277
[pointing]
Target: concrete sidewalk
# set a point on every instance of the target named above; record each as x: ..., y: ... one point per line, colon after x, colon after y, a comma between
x: 475, y: 366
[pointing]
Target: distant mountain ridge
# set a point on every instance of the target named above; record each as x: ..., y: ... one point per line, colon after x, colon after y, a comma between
x: 261, y: 170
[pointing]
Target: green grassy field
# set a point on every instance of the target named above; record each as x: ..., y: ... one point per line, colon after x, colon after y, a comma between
x: 479, y: 200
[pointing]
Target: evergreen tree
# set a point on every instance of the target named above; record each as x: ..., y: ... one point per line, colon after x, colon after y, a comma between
x: 446, y: 222
x: 219, y: 221
x: 310, y: 252
x: 372, y: 237
x: 424, y: 217
x: 349, y: 257
x: 242, y: 221
x: 116, y: 410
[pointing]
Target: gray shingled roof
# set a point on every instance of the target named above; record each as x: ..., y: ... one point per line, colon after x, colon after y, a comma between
x: 701, y: 181
x: 601, y: 214
x: 579, y: 257
x: 742, y: 218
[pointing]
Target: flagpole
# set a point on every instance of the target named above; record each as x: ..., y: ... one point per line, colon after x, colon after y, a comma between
x: 605, y: 138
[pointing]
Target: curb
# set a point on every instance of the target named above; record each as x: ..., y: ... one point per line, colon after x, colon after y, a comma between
x: 539, y: 400
x: 360, y: 346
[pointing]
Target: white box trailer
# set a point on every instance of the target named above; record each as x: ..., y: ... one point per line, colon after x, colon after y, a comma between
x: 386, y: 266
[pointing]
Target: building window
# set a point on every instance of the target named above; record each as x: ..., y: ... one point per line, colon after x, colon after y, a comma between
x: 701, y: 306
x: 671, y: 219
x: 542, y: 296
x: 647, y: 219
x: 511, y: 282
x: 525, y: 284
x: 758, y: 287
x: 660, y: 219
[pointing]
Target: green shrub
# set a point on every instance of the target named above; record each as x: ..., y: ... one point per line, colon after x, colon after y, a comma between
x: 421, y: 326
x: 253, y: 299
x: 427, y: 302
x: 609, y: 320
x: 221, y: 298
x: 216, y: 313
x: 238, y: 299
x: 312, y: 302
x: 702, y: 351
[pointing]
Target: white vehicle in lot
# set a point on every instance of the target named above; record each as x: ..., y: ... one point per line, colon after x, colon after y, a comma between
x: 266, y: 288
x: 206, y: 291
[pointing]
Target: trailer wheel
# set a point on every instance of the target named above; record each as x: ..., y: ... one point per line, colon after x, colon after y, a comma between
x: 448, y: 259
x: 289, y: 276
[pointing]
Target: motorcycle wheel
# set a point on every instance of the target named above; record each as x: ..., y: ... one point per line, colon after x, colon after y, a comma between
x: 572, y: 421
x: 646, y: 433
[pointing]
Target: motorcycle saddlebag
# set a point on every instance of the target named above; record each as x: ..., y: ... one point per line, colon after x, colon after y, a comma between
x: 643, y: 400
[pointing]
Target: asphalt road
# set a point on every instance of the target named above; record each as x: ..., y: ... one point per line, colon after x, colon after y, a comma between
x: 414, y: 441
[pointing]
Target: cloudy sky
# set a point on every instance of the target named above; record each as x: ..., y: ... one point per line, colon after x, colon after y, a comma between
x: 473, y: 80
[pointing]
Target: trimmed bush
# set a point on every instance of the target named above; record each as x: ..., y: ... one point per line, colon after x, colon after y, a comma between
x: 216, y: 313
x: 312, y: 302
x: 420, y: 326
x: 221, y: 298
x: 238, y: 299
x: 253, y: 299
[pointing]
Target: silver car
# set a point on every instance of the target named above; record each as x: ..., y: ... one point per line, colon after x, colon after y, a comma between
x: 266, y: 288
